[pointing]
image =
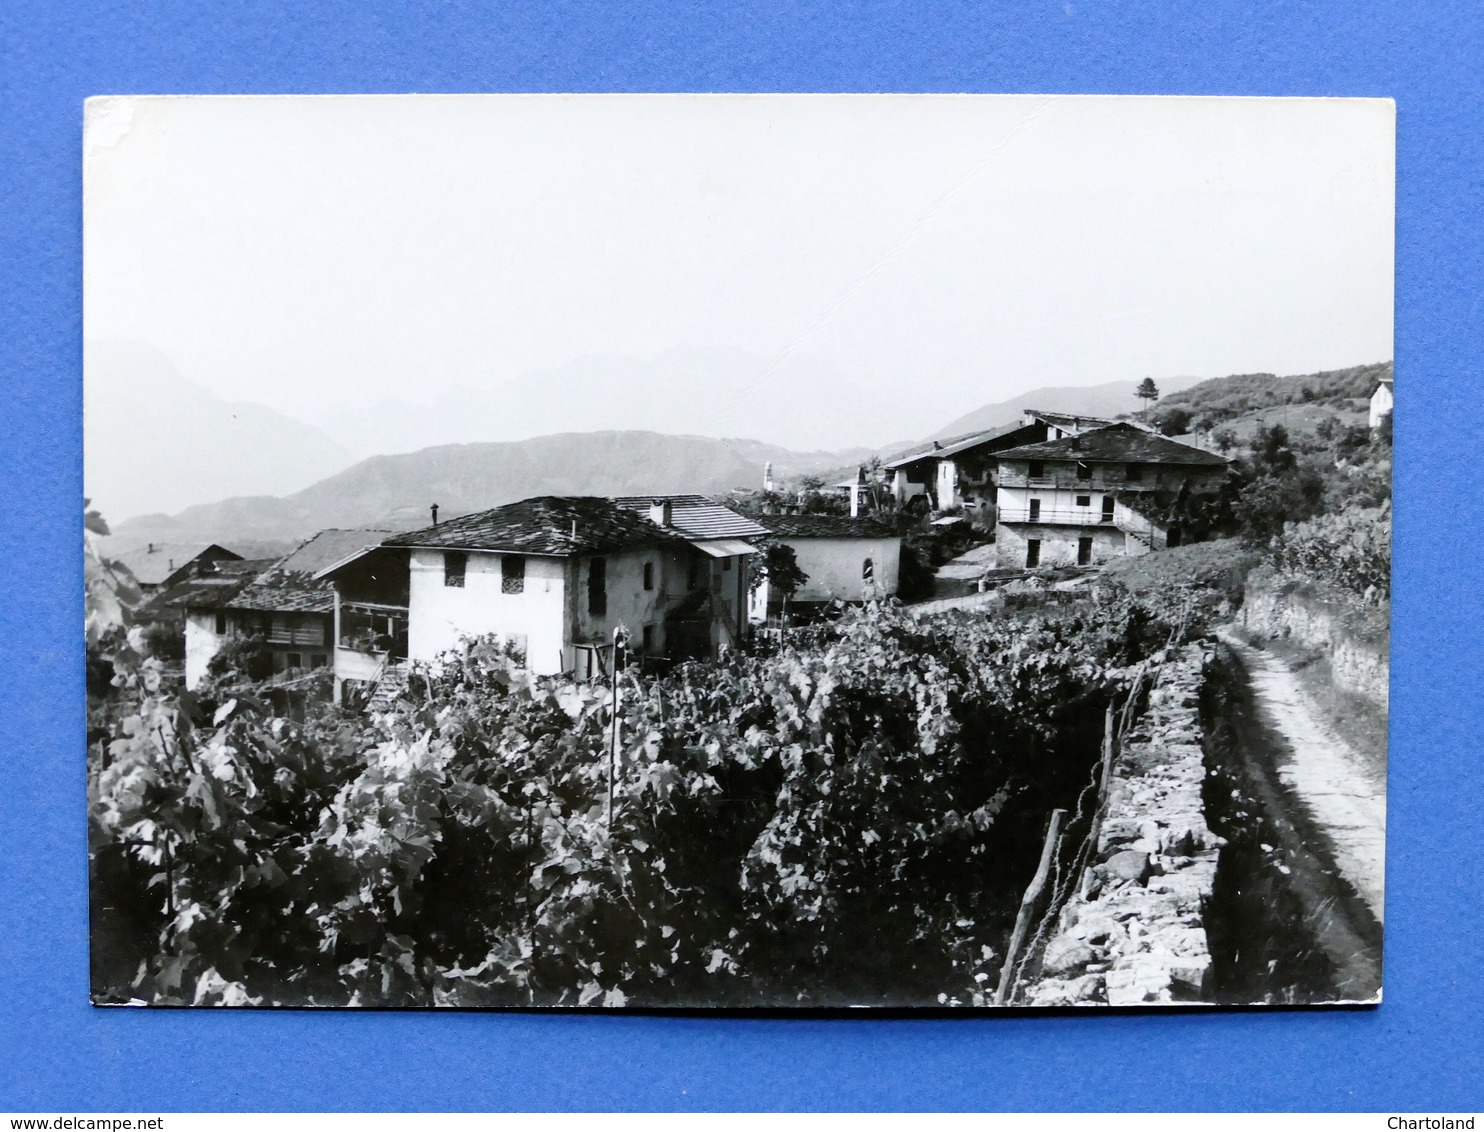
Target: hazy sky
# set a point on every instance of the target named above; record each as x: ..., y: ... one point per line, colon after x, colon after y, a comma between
x: 941, y: 252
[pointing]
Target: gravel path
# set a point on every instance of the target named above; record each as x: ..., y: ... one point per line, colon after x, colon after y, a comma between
x: 1346, y: 797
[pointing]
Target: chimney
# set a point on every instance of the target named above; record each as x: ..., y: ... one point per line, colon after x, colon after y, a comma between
x: 659, y: 512
x: 1076, y: 443
x: 434, y: 509
x: 937, y: 445
x: 150, y: 549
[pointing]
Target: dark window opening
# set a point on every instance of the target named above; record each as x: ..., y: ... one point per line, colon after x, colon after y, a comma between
x: 1107, y: 508
x: 868, y: 570
x: 1084, y: 551
x: 1084, y: 501
x: 295, y: 660
x: 1037, y: 469
x: 1084, y: 470
x: 512, y: 574
x: 1032, y: 552
x: 455, y: 563
x: 1173, y: 538
x: 1035, y: 513
x: 221, y: 624
x: 318, y: 660
x: 597, y: 587
x: 648, y: 638
x: 649, y: 575
x: 1133, y: 473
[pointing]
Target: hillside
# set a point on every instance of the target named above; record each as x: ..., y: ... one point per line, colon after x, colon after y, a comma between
x: 1108, y: 400
x: 156, y: 441
x: 1227, y: 399
x: 396, y: 491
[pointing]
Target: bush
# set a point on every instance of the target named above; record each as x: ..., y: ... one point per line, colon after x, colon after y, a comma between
x: 1351, y: 550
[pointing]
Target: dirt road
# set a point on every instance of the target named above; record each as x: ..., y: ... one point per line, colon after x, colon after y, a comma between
x: 1345, y: 796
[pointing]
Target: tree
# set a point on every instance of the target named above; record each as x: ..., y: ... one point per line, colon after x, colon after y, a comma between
x: 1173, y: 422
x: 1147, y: 392
x: 778, y: 565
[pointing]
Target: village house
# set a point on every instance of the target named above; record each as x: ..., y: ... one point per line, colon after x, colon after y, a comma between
x: 157, y: 566
x: 1097, y: 495
x: 958, y: 473
x: 279, y: 602
x: 552, y: 578
x: 194, y: 608
x: 1383, y: 400
x: 845, y: 559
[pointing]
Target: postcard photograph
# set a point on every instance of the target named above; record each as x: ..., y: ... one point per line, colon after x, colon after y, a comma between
x: 736, y: 551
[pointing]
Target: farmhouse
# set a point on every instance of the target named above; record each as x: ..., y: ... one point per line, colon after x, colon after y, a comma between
x: 552, y: 577
x: 845, y: 559
x: 195, y: 607
x: 959, y: 472
x: 279, y: 602
x: 1383, y: 400
x: 1097, y: 495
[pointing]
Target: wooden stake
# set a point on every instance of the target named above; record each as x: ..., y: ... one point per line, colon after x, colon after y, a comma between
x: 1027, y: 907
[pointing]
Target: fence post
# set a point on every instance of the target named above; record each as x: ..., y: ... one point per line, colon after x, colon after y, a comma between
x: 1027, y: 907
x: 620, y: 640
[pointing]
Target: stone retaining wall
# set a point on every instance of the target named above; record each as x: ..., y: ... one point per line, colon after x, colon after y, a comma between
x: 1355, y: 640
x: 1134, y: 933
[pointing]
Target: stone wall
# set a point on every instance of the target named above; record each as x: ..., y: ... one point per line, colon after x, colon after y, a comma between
x: 1134, y: 933
x: 1355, y: 639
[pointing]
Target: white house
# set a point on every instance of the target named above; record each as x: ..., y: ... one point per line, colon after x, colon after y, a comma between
x: 551, y: 577
x: 845, y: 559
x: 1382, y: 402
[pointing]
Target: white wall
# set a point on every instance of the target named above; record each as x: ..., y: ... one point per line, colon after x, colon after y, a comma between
x: 1382, y: 402
x: 201, y: 644
x: 440, y: 616
x: 629, y: 603
x: 834, y: 566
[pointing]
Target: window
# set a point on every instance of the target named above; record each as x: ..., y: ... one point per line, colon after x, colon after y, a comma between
x: 1133, y: 473
x: 1084, y: 501
x: 1084, y: 470
x: 280, y: 632
x: 295, y: 660
x: 1037, y: 469
x: 512, y: 574
x: 868, y: 570
x: 649, y: 575
x: 648, y: 638
x: 318, y: 660
x: 1107, y: 508
x: 1173, y: 538
x: 597, y: 587
x: 455, y: 562
x: 1032, y: 552
x: 307, y: 631
x: 221, y: 624
x: 1084, y: 551
x: 1035, y: 512
x: 726, y: 564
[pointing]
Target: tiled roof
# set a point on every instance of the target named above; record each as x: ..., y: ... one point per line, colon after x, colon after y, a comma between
x: 1066, y: 418
x: 153, y: 565
x: 823, y: 526
x: 547, y: 524
x: 695, y: 516
x: 290, y: 586
x: 954, y: 445
x: 1120, y: 443
x: 208, y: 592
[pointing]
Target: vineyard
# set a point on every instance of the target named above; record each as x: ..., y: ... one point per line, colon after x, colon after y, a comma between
x: 849, y: 819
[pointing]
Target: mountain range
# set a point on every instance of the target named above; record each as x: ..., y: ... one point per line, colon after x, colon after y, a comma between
x: 396, y: 491
x: 155, y: 441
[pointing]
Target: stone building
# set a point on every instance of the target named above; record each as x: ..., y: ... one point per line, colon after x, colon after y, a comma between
x: 1097, y: 495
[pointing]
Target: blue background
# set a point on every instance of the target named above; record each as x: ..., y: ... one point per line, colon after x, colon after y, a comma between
x: 1421, y: 1050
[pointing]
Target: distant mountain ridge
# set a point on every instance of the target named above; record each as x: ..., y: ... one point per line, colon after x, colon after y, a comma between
x: 396, y: 491
x: 155, y: 441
